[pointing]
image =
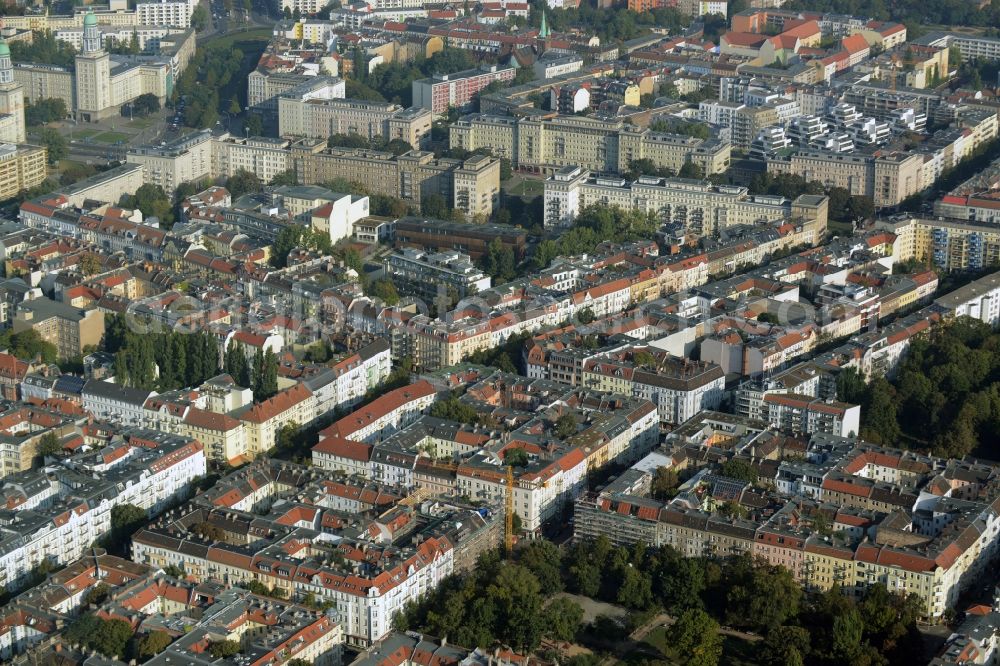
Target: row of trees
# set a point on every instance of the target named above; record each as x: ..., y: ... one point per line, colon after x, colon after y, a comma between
x: 44, y: 111
x: 393, y: 81
x: 43, y: 48
x: 844, y: 206
x: 505, y: 601
x: 153, y: 202
x: 28, y: 345
x: 211, y: 73
x: 259, y: 374
x: 297, y: 236
x: 945, y: 397
x: 183, y: 359
x: 594, y: 225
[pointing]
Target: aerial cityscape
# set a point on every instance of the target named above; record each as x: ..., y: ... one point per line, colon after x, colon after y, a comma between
x: 499, y: 333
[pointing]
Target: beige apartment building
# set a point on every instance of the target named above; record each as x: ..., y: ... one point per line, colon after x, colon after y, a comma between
x: 21, y: 168
x: 266, y: 157
x: 184, y: 160
x: 471, y: 185
x: 69, y: 329
x: 547, y: 145
x: 301, y: 116
x: 46, y: 81
x: 703, y: 208
x: 886, y: 177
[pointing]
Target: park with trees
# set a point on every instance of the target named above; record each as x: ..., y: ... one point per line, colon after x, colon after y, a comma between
x: 944, y: 398
x: 534, y: 599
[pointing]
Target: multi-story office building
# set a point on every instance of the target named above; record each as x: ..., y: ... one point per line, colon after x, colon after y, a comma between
x: 444, y: 91
x: 602, y: 146
x: 701, y: 207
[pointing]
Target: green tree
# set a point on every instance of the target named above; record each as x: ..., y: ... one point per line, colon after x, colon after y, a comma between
x: 54, y: 143
x: 199, y: 18
x: 739, y: 470
x: 665, y: 482
x: 562, y: 619
x: 691, y: 170
x: 97, y: 594
x: 851, y: 386
x: 242, y: 182
x: 49, y: 445
x: 44, y: 111
x: 696, y: 639
x: 543, y: 559
x: 384, y: 289
x: 285, y: 178
x: 785, y: 646
x: 565, y: 426
x: 154, y: 642
x: 224, y: 649
x: 453, y: 409
x: 881, y: 425
x: 126, y: 520
x: 498, y: 262
x: 254, y: 125
x: 516, y: 457
x: 146, y: 104
x: 434, y: 206
x: 516, y: 597
x: 109, y: 637
x: 153, y: 202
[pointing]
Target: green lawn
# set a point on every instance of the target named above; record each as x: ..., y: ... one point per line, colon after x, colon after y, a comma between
x: 528, y: 188
x: 840, y: 228
x: 112, y: 137
x: 228, y: 41
x: 84, y: 133
x: 735, y: 651
x: 142, y: 123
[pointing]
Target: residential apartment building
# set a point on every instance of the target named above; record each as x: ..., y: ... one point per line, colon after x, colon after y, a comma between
x: 700, y: 207
x: 979, y: 299
x: 444, y: 91
x: 948, y: 244
x: 70, y: 329
x: 22, y: 167
x: 888, y: 178
x: 425, y: 274
x: 150, y: 470
x: 175, y: 14
x: 471, y: 185
x: 601, y: 146
x: 303, y: 113
x: 186, y: 159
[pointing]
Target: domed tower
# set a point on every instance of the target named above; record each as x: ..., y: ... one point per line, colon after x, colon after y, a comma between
x: 11, y: 100
x: 91, y: 34
x: 93, y: 74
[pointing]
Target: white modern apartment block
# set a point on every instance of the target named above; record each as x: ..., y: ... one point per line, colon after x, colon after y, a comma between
x: 112, y: 402
x: 165, y: 12
x: 702, y: 207
x: 150, y: 471
x: 538, y: 497
x: 385, y: 414
x: 979, y: 300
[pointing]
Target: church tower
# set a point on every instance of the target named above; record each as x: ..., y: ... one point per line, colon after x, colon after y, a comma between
x: 93, y: 74
x: 11, y: 100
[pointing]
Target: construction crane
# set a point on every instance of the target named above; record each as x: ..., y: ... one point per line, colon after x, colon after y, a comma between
x: 509, y: 518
